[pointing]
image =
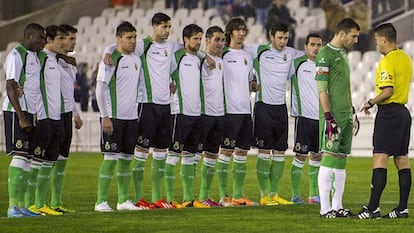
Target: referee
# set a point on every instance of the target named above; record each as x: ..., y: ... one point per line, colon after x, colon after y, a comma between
x: 392, y: 123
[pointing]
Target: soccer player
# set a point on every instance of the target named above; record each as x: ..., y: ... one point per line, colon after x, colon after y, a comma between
x: 305, y: 109
x: 237, y: 132
x: 48, y: 131
x: 212, y: 110
x: 22, y: 72
x: 185, y: 110
x: 116, y: 94
x: 272, y: 64
x: 69, y: 111
x: 335, y: 117
x: 156, y: 55
x: 392, y: 123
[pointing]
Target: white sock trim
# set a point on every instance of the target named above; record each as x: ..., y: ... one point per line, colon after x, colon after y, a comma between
x: 224, y: 159
x: 239, y: 159
x: 209, y: 162
x: 298, y: 163
x: 159, y: 155
x: 111, y: 156
x: 18, y: 161
x: 264, y: 156
x: 278, y: 158
x: 314, y: 163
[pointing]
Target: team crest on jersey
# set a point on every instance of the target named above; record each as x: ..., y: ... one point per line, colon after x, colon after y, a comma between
x: 285, y: 57
x: 19, y: 144
x: 37, y: 150
x: 219, y: 66
x: 136, y: 66
x: 245, y: 61
x: 176, y: 145
x: 165, y: 53
x: 107, y: 145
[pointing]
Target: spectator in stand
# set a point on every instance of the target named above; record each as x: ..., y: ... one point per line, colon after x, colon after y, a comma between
x: 261, y: 10
x: 190, y: 4
x: 334, y: 12
x: 359, y: 12
x: 224, y: 8
x: 312, y: 3
x: 243, y: 8
x: 174, y: 4
x: 82, y: 87
x: 279, y: 13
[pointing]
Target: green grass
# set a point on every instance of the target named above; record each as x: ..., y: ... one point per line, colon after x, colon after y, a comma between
x: 80, y: 194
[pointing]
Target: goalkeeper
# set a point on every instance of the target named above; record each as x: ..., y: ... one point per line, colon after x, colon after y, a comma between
x: 335, y: 118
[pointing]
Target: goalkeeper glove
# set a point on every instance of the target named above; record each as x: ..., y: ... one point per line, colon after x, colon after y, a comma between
x: 332, y: 129
x: 355, y: 129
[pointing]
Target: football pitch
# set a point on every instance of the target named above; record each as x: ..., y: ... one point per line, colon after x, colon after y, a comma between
x: 81, y: 186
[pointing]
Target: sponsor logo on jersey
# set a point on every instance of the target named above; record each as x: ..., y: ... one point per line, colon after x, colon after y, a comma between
x: 219, y: 66
x: 322, y: 60
x: 383, y: 75
x: 136, y: 66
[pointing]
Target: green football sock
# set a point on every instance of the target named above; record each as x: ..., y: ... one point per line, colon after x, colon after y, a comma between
x: 157, y: 173
x: 262, y: 172
x: 22, y: 193
x: 313, y: 170
x: 15, y: 180
x: 296, y: 176
x: 222, y: 174
x: 123, y: 176
x: 43, y: 184
x: 239, y: 175
x: 207, y: 175
x: 187, y: 176
x: 169, y: 175
x: 106, y: 172
x: 30, y: 194
x: 276, y: 171
x: 57, y: 176
x: 14, y: 183
x: 138, y: 166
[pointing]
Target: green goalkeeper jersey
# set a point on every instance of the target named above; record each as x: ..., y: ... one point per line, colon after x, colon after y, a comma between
x: 332, y: 66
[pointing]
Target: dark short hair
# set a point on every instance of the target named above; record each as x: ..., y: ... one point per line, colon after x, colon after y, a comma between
x: 53, y: 30
x: 280, y: 27
x: 68, y: 28
x: 211, y: 30
x: 388, y: 31
x: 234, y: 23
x: 310, y: 35
x: 123, y: 27
x: 160, y: 18
x: 191, y: 30
x: 346, y: 25
x: 32, y: 28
